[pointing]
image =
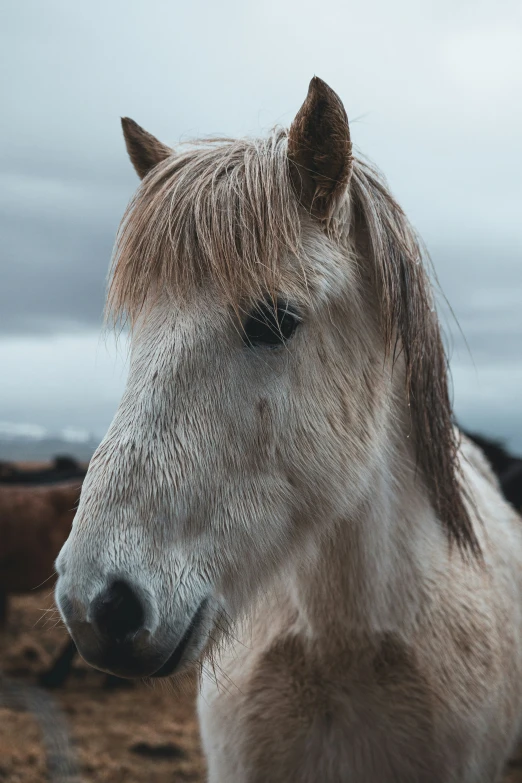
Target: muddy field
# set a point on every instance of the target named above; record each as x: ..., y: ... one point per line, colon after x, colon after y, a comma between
x: 136, y: 734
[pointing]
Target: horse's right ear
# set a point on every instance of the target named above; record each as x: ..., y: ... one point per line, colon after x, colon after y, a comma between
x: 145, y: 151
x: 320, y: 151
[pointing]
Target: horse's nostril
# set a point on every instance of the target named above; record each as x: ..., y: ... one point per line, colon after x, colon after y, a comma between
x: 118, y: 612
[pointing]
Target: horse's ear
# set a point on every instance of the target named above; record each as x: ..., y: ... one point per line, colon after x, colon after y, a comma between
x: 320, y: 150
x: 145, y: 151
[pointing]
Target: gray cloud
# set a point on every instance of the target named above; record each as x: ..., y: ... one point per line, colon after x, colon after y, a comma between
x: 432, y: 95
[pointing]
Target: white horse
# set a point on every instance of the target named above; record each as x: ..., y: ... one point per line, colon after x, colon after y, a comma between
x: 281, y: 492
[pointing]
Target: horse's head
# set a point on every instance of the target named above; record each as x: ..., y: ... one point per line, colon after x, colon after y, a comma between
x: 258, y: 390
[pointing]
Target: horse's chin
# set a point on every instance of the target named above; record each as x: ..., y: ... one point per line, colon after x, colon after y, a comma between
x: 190, y: 646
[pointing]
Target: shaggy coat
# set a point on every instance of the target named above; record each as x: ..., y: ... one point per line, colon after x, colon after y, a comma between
x: 281, y: 497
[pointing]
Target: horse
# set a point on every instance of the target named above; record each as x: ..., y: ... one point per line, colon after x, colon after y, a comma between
x: 36, y: 512
x: 35, y: 522
x: 511, y: 484
x: 282, y: 501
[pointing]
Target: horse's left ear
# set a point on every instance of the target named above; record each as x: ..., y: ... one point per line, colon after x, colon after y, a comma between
x: 320, y: 150
x: 145, y: 151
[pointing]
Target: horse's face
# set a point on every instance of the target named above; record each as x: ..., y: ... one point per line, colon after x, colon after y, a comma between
x: 231, y: 441
x: 234, y: 438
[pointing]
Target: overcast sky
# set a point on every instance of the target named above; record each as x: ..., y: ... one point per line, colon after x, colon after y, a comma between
x: 433, y: 92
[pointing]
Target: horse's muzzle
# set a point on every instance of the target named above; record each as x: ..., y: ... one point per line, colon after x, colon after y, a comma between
x: 114, y: 634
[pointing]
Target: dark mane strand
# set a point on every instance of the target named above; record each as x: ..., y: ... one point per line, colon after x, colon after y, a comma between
x: 410, y: 325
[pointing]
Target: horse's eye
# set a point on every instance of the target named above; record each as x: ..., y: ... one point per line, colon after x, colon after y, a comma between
x: 270, y: 324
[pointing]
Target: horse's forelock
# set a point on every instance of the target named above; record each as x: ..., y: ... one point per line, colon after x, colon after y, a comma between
x: 222, y: 210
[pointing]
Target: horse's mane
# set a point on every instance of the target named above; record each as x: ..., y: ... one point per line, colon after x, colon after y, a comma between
x: 226, y: 210
x: 410, y: 325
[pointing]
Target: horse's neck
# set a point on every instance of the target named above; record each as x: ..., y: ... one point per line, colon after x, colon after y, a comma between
x: 369, y: 574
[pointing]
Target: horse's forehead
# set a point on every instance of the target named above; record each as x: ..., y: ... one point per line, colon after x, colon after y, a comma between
x: 309, y: 286
x: 324, y: 272
x: 171, y: 319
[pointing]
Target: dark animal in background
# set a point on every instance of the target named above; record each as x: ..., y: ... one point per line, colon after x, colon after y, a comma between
x: 35, y: 521
x: 507, y: 467
x: 61, y: 469
x: 34, y: 524
x: 512, y: 484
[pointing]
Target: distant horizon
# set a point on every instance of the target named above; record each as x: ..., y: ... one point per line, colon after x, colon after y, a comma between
x: 24, y: 441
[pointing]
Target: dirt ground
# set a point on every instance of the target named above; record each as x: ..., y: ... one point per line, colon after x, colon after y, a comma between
x: 137, y: 734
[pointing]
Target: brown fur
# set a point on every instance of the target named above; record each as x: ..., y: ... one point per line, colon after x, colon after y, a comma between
x: 34, y: 524
x: 144, y: 150
x: 320, y: 151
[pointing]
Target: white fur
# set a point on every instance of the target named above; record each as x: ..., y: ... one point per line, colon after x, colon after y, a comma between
x: 281, y: 487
